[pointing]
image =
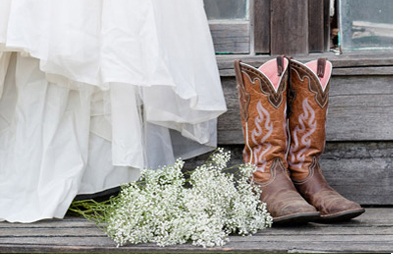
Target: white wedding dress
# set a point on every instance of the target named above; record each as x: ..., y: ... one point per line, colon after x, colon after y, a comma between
x: 93, y: 91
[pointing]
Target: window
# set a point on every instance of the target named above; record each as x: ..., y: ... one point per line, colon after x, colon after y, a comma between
x: 294, y: 27
x: 230, y: 25
x: 226, y: 9
x: 365, y: 24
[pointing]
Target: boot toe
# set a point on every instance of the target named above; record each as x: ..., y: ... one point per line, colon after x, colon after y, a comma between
x: 290, y: 207
x: 333, y: 207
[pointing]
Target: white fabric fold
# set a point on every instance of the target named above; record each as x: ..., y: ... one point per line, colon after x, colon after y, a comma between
x: 93, y: 91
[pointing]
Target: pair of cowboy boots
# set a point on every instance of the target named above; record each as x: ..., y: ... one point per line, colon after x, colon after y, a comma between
x: 283, y: 112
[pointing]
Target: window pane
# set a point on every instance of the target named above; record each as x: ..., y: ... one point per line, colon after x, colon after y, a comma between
x: 366, y: 24
x: 226, y: 9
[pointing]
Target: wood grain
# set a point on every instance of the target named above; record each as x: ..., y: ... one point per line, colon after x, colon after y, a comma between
x: 262, y: 26
x: 360, y: 108
x: 371, y: 232
x: 289, y: 27
x: 360, y: 171
x: 231, y: 37
x: 316, y: 26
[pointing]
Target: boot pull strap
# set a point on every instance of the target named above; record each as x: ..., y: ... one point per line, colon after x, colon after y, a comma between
x: 238, y: 72
x: 280, y: 65
x: 321, y: 67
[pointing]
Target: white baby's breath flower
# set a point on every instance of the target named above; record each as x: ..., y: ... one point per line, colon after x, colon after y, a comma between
x: 161, y: 208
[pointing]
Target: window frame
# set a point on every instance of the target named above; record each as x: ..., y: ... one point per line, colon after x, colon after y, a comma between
x: 269, y: 32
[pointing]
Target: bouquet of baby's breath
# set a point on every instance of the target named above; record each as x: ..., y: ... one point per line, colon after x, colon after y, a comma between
x: 167, y: 206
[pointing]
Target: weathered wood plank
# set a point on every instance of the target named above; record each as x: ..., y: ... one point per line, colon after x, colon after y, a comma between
x: 14, y: 233
x: 268, y: 236
x: 362, y: 117
x: 73, y: 222
x: 363, y: 71
x: 327, y: 24
x: 231, y: 37
x: 371, y: 232
x: 18, y: 232
x: 360, y: 108
x: 360, y: 171
x: 345, y: 71
x: 261, y: 26
x: 275, y: 244
x: 247, y: 248
x: 316, y: 26
x: 355, y: 60
x: 375, y: 218
x: 289, y: 27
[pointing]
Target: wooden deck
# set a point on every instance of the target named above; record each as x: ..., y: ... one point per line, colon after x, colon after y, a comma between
x: 372, y: 232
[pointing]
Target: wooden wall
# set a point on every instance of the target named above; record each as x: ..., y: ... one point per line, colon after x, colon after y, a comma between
x: 276, y: 27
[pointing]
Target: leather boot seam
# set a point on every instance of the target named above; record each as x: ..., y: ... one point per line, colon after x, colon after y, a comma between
x: 272, y: 172
x: 310, y: 173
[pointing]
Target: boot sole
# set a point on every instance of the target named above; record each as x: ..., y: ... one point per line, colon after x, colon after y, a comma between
x: 340, y: 217
x: 300, y: 218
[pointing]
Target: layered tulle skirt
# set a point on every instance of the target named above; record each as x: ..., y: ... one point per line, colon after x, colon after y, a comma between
x: 93, y: 91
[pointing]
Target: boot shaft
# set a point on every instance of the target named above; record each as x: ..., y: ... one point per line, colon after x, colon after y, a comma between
x: 308, y: 104
x: 263, y: 103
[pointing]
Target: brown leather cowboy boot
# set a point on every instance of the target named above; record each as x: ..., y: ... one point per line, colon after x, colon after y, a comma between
x: 263, y: 101
x: 308, y: 103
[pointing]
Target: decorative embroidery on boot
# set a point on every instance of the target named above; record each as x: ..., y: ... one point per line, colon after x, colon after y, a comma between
x: 314, y: 86
x: 274, y: 96
x: 263, y: 128
x: 301, y: 136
